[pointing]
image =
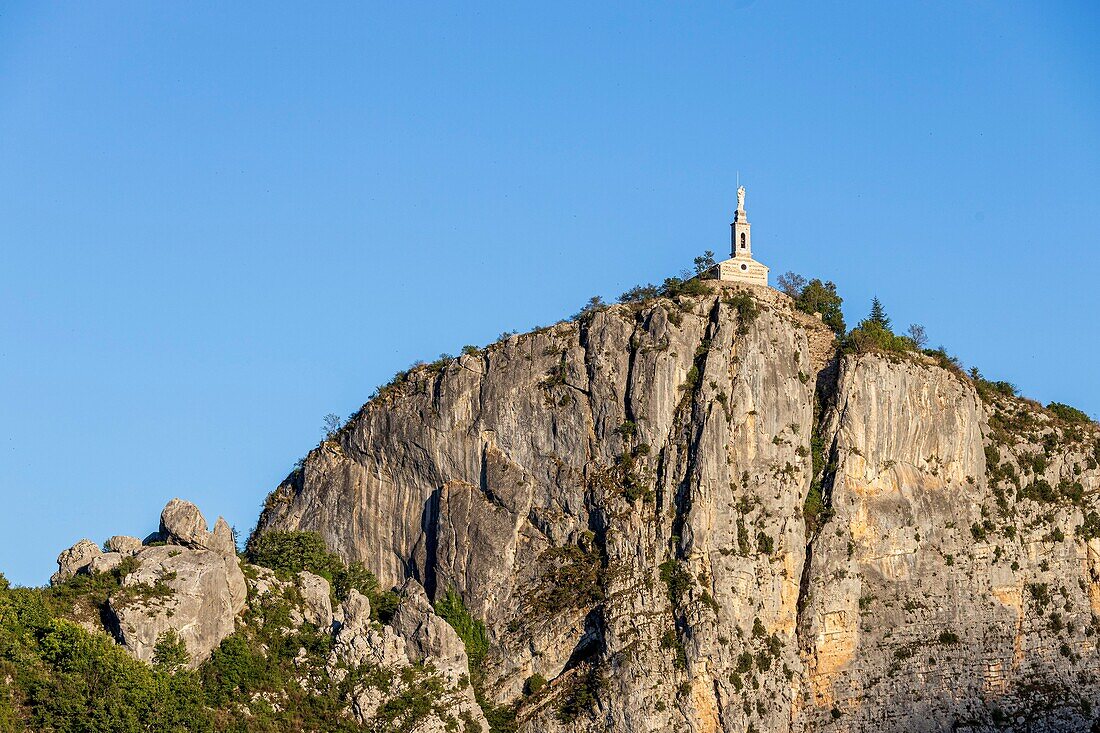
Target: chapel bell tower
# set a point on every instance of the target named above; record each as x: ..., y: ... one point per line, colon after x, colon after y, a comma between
x: 741, y: 237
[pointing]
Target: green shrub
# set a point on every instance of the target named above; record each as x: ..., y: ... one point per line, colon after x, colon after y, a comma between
x: 289, y: 553
x: 746, y: 307
x: 674, y: 286
x: 946, y: 361
x: 874, y: 334
x: 640, y: 294
x: 581, y: 695
x: 534, y: 684
x: 677, y: 581
x: 594, y: 305
x: 1065, y: 413
x: 573, y: 578
x: 452, y: 609
x: 821, y: 297
x: 813, y: 509
x: 692, y: 380
x: 170, y: 653
x: 61, y: 678
x: 1090, y: 527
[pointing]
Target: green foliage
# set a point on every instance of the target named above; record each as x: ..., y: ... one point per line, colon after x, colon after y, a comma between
x: 821, y: 297
x: 878, y: 314
x: 640, y: 294
x: 677, y: 581
x: 813, y: 509
x: 557, y: 375
x: 692, y: 380
x: 870, y: 337
x: 1068, y: 414
x: 674, y: 287
x: 873, y: 334
x: 237, y: 668
x: 573, y: 578
x: 990, y: 390
x: 534, y: 684
x: 452, y: 609
x: 170, y: 653
x: 704, y: 262
x: 470, y: 350
x: 627, y: 430
x: 1090, y: 527
x: 289, y: 553
x: 746, y: 307
x: 594, y: 305
x: 945, y: 361
x: 581, y: 695
x: 65, y: 680
x: 268, y: 676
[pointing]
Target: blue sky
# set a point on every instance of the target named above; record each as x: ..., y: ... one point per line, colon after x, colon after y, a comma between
x: 221, y: 221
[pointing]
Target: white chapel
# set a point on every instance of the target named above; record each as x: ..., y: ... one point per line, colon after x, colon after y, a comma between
x: 741, y: 267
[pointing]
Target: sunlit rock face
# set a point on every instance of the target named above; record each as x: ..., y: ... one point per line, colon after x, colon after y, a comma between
x: 622, y: 501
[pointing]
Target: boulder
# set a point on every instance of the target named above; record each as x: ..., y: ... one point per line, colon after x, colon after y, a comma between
x: 75, y: 559
x: 105, y: 562
x: 181, y: 523
x: 123, y: 544
x: 316, y: 600
x: 196, y: 592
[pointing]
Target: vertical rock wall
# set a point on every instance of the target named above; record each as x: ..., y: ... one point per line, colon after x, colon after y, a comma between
x: 621, y: 501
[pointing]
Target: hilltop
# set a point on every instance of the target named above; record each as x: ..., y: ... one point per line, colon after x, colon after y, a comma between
x: 709, y: 507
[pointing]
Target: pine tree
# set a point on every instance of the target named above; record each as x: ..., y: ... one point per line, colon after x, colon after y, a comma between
x: 878, y: 314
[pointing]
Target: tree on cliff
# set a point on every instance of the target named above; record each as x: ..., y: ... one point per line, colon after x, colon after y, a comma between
x: 878, y: 314
x: 821, y: 297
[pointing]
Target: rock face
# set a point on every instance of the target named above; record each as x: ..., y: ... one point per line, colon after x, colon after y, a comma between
x: 621, y: 501
x: 192, y: 585
x: 316, y: 604
x: 427, y: 636
x: 196, y: 593
x: 75, y: 559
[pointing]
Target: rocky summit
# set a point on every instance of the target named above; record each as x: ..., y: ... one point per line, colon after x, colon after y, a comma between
x: 699, y: 510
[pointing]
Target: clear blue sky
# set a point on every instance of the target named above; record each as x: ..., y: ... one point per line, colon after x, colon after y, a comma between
x: 220, y: 221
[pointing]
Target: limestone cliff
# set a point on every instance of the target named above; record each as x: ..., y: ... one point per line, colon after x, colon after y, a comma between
x: 621, y: 500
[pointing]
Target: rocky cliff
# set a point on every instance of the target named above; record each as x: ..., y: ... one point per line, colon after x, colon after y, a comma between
x: 693, y: 514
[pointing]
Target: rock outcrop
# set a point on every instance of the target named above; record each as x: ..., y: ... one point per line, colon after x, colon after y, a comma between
x: 75, y: 559
x: 196, y: 593
x: 189, y: 585
x: 687, y: 514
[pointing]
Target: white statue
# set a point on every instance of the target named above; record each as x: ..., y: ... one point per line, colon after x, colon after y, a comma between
x: 740, y: 198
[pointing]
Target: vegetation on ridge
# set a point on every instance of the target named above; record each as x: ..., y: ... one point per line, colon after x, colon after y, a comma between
x: 289, y: 553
